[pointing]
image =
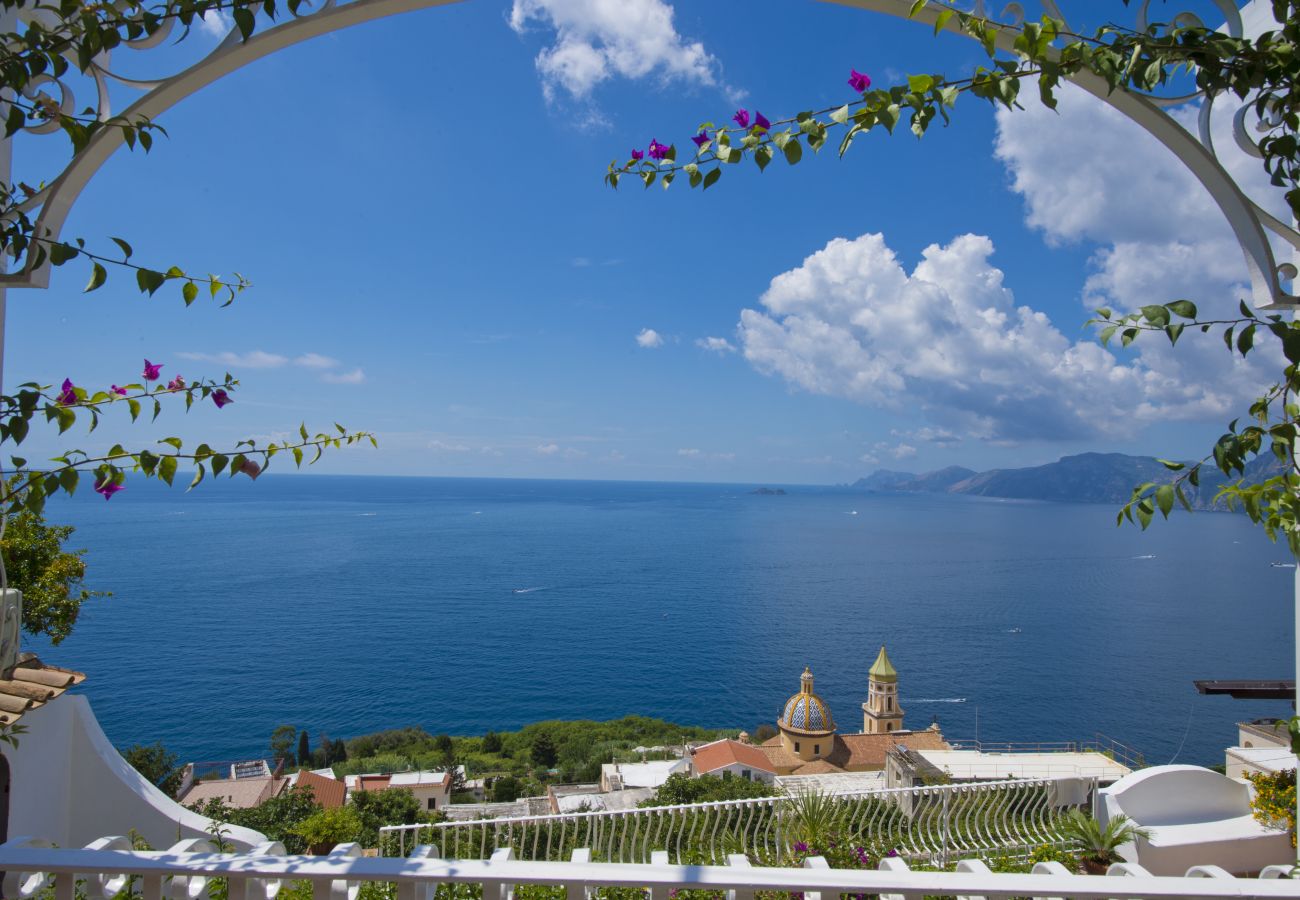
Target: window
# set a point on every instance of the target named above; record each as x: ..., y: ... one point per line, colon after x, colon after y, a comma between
x: 433, y: 803
x: 796, y: 746
x: 817, y: 748
x: 889, y: 726
x: 745, y: 774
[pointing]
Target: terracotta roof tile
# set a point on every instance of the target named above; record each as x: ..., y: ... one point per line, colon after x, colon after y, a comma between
x: 328, y: 793
x: 816, y: 767
x: 720, y: 754
x: 32, y: 684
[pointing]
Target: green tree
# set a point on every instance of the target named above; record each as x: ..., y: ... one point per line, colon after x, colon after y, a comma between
x: 543, y: 751
x: 49, y: 576
x: 491, y: 742
x: 443, y: 744
x: 282, y: 742
x: 277, y: 818
x: 327, y: 827
x: 338, y: 752
x: 156, y: 764
x: 506, y: 789
x: 682, y: 788
x: 393, y: 806
x: 304, y: 748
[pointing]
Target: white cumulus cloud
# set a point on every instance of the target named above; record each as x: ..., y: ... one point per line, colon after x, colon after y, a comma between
x: 649, y: 338
x: 948, y: 337
x: 596, y: 40
x: 548, y: 449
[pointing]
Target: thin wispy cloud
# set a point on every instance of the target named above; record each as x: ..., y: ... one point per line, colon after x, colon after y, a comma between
x: 315, y: 361
x: 720, y: 346
x: 256, y: 359
x: 355, y: 376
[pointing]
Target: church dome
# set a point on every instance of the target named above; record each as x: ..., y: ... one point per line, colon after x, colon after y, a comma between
x: 805, y: 711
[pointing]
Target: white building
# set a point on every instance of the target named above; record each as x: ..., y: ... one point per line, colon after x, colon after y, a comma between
x: 432, y: 789
x: 728, y: 757
x: 621, y: 776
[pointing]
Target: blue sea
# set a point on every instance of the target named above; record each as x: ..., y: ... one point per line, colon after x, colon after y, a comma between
x: 350, y: 604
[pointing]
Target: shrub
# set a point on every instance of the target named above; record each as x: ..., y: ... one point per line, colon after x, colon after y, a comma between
x: 1274, y: 800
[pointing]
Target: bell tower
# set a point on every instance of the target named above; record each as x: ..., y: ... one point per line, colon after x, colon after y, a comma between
x: 881, y: 713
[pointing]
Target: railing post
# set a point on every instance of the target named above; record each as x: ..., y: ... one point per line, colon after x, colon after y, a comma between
x: 737, y: 861
x: 504, y: 891
x: 659, y: 858
x: 578, y: 891
x: 814, y: 862
x: 947, y: 831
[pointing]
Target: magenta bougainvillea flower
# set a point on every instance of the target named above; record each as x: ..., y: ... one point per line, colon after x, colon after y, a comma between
x: 120, y: 391
x: 68, y: 395
x: 108, y: 487
x: 760, y: 121
x: 858, y: 81
x: 657, y: 150
x: 176, y: 384
x: 221, y: 398
x: 250, y: 468
x: 741, y: 118
x: 151, y: 371
x: 701, y: 139
x: 637, y: 154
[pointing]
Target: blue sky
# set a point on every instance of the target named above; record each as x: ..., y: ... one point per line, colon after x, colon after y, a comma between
x: 418, y: 203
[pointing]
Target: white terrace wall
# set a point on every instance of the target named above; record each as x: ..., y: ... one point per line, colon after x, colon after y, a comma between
x: 69, y: 785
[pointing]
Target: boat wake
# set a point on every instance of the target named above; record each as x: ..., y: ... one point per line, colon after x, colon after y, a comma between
x: 941, y: 700
x: 531, y: 590
x: 1148, y: 556
x: 1282, y: 565
x: 366, y: 515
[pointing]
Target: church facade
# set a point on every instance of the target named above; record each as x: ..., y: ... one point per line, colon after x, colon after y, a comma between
x: 808, y: 742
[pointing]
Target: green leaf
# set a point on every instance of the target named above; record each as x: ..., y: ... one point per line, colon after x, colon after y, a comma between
x: 1246, y: 339
x: 921, y: 83
x: 763, y: 156
x: 841, y: 115
x: 98, y: 275
x: 1183, y: 308
x: 712, y: 178
x: 916, y: 8
x: 793, y: 152
x: 189, y: 291
x: 126, y: 248
x: 149, y: 281
x: 167, y: 468
x: 1171, y: 465
x: 1165, y: 499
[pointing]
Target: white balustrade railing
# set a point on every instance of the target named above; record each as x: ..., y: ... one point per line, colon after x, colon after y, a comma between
x: 191, y: 870
x: 936, y: 823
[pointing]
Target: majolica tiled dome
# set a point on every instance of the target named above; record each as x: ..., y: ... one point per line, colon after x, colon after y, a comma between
x: 805, y: 711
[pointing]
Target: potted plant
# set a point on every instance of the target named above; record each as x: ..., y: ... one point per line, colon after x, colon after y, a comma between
x: 1096, y: 846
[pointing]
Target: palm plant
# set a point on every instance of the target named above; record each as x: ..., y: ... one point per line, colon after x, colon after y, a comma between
x: 1097, y: 846
x: 816, y: 818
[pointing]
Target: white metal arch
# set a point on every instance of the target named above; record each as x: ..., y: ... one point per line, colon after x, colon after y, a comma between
x: 1246, y: 219
x: 1196, y: 152
x: 56, y: 200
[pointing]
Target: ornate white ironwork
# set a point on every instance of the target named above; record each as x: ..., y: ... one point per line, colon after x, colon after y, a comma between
x: 935, y: 823
x: 1249, y: 221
